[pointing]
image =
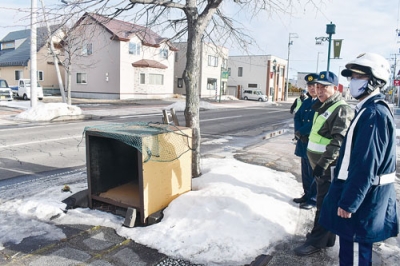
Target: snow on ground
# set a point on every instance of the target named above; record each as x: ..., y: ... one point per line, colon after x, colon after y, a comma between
x: 235, y: 212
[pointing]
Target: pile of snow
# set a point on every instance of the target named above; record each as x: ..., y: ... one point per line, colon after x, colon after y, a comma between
x: 49, y: 111
x: 238, y: 211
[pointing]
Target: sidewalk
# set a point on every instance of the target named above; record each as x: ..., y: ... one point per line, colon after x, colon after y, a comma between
x: 99, y: 245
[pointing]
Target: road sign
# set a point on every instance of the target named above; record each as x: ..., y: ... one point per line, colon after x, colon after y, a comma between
x: 397, y: 82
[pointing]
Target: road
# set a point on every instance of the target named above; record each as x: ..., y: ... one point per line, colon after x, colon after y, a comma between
x: 36, y: 149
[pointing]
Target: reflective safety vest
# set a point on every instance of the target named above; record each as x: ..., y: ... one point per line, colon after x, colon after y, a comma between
x: 298, y: 104
x: 316, y: 142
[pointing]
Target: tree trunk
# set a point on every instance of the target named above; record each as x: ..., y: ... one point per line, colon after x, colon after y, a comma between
x: 191, y: 78
x: 53, y: 53
x: 69, y: 82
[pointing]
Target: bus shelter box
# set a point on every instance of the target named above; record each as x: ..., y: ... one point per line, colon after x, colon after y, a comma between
x: 133, y: 166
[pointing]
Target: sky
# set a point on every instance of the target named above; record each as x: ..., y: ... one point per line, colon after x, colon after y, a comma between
x: 363, y: 25
x: 239, y: 211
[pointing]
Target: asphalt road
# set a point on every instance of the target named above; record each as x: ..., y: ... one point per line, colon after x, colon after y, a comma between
x: 37, y: 149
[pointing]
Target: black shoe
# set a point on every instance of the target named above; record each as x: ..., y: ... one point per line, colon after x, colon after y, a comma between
x: 300, y: 200
x: 306, y: 250
x: 306, y: 206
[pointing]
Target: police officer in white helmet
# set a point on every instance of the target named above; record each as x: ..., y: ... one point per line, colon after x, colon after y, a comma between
x: 361, y: 203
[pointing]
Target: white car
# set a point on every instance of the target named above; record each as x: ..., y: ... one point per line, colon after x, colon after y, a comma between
x: 5, y: 91
x: 255, y: 95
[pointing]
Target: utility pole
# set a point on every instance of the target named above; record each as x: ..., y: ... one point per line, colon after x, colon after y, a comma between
x: 291, y: 35
x: 33, y: 71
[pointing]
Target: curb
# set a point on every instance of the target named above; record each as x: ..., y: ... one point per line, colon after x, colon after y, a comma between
x: 275, y: 133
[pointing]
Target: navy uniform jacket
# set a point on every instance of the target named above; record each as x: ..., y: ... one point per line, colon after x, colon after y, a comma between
x: 303, y: 120
x: 373, y: 153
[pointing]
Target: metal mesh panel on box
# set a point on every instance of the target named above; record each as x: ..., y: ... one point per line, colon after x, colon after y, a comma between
x: 157, y: 142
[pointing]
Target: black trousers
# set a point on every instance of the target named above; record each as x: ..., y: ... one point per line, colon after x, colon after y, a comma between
x: 319, y: 236
x: 307, y: 178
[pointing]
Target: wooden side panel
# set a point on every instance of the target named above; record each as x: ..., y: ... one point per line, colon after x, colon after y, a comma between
x: 164, y: 180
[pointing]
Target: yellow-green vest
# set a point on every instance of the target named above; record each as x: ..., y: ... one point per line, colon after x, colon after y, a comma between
x: 316, y: 142
x: 298, y: 104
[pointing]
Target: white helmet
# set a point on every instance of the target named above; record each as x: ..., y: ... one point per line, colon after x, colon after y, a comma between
x: 369, y: 63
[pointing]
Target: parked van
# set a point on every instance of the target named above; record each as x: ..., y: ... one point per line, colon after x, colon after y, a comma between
x: 254, y: 94
x: 24, y: 89
x: 5, y: 91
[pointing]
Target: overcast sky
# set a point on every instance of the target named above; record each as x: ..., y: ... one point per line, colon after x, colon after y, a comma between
x: 364, y: 26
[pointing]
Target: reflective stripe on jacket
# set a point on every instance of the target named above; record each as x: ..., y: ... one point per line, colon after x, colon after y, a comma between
x: 344, y: 166
x: 318, y: 143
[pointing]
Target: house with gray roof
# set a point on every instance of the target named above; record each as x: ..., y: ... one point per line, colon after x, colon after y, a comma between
x: 15, y: 57
x: 114, y: 59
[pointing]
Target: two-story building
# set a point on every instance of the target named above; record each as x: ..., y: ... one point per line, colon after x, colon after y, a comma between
x: 119, y: 60
x: 264, y: 72
x: 15, y: 55
x: 213, y: 76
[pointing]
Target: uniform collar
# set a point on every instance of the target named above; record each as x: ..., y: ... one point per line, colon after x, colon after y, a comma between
x: 360, y: 104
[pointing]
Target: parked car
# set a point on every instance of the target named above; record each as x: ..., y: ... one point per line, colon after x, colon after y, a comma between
x: 24, y: 89
x: 255, y: 95
x: 5, y: 91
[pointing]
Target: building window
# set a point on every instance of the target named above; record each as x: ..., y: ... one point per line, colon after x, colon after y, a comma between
x: 251, y: 85
x: 87, y: 49
x: 240, y: 71
x: 156, y: 79
x: 176, y: 57
x: 40, y: 76
x: 180, y: 82
x: 211, y: 84
x: 212, y: 61
x: 81, y: 78
x: 19, y: 74
x: 142, y: 78
x: 134, y: 48
x: 7, y: 45
x: 229, y: 71
x: 164, y: 53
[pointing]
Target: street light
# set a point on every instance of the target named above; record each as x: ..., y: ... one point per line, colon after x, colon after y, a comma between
x: 330, y: 29
x: 291, y: 35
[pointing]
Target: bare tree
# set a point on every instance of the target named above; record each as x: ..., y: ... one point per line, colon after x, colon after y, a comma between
x: 195, y: 21
x: 54, y: 54
x: 196, y: 26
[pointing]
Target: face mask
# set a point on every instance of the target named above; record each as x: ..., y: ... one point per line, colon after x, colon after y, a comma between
x: 357, y: 87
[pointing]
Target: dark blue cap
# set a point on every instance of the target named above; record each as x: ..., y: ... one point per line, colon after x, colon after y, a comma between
x: 310, y: 78
x: 327, y: 78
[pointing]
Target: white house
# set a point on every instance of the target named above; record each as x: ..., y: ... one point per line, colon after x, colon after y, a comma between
x: 120, y: 60
x: 213, y: 70
x: 264, y: 72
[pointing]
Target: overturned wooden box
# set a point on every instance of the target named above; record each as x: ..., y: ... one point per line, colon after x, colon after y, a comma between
x: 142, y: 166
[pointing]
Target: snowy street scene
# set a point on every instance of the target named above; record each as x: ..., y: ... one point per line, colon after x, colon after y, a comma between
x: 235, y: 212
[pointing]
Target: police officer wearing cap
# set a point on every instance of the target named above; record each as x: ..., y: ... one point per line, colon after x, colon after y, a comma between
x: 361, y: 203
x: 303, y: 120
x: 298, y: 101
x: 331, y: 120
